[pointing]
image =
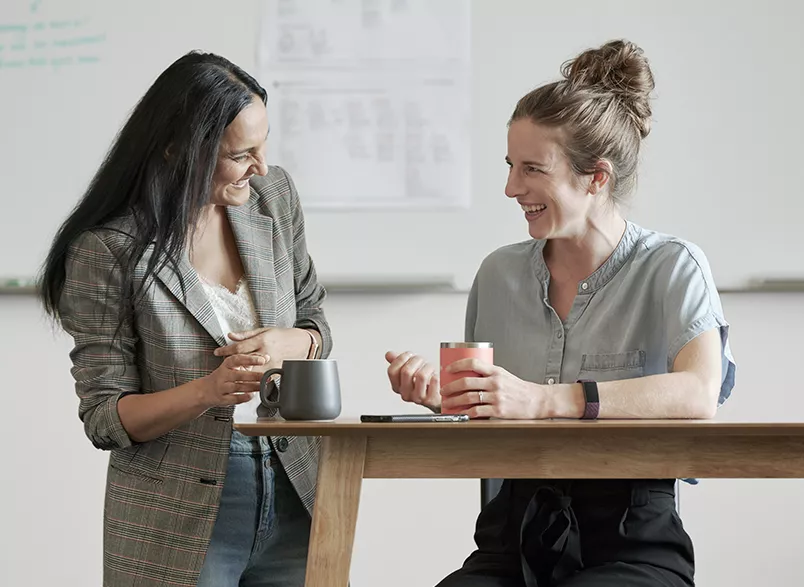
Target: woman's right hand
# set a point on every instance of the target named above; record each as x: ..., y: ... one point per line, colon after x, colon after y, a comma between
x: 233, y: 382
x: 414, y: 379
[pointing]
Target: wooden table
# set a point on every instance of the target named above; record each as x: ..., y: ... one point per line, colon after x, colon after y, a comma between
x: 630, y: 449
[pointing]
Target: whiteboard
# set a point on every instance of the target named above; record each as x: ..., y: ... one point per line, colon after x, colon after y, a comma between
x: 720, y: 167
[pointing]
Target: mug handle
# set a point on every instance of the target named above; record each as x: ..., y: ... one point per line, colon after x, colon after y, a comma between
x: 264, y: 385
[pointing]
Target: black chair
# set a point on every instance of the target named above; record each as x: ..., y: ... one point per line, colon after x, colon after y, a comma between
x: 488, y: 490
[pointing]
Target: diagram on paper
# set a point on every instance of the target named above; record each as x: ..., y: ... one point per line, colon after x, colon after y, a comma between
x: 369, y: 100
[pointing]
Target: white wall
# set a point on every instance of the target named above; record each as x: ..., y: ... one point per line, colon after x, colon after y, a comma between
x: 410, y: 533
x: 725, y: 93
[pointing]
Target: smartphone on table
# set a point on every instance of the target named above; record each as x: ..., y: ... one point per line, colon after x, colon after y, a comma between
x: 392, y: 418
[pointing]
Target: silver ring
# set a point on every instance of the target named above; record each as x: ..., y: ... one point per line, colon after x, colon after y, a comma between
x: 480, y: 397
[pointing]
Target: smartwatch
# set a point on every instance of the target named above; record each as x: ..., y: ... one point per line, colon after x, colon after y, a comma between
x: 592, y: 398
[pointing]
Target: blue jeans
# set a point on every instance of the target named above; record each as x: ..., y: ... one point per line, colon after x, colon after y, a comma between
x: 262, y: 530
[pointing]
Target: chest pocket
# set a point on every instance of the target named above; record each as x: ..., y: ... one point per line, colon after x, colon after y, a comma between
x: 613, y: 366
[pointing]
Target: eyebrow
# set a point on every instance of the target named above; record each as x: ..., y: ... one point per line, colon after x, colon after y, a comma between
x: 534, y: 163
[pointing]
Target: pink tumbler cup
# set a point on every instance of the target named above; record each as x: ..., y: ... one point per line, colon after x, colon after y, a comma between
x: 453, y: 351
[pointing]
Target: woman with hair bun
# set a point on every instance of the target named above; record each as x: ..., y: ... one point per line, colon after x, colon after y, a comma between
x: 592, y: 317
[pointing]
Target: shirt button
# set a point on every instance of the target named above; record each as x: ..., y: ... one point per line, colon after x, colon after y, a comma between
x: 551, y: 381
x: 584, y: 286
x: 560, y: 335
x: 282, y: 444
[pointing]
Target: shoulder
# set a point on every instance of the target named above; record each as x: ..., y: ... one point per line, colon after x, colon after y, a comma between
x: 273, y: 191
x: 664, y: 252
x: 671, y: 258
x: 113, y: 239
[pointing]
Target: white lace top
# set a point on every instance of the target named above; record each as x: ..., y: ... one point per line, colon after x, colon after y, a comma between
x: 235, y: 313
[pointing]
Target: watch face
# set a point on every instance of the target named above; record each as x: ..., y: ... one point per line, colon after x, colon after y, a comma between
x: 592, y: 399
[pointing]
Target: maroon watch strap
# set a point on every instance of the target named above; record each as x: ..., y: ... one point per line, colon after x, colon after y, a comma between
x: 592, y: 399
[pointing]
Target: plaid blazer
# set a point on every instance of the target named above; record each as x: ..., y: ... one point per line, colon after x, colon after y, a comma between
x: 162, y: 496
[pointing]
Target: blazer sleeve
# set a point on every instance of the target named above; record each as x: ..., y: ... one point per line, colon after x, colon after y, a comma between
x: 310, y: 294
x: 104, y: 356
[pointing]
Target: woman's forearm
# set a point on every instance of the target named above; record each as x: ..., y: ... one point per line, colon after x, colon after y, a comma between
x: 147, y: 416
x: 669, y: 395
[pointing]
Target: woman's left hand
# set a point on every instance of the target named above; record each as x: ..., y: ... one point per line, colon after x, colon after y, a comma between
x: 275, y: 344
x: 494, y: 393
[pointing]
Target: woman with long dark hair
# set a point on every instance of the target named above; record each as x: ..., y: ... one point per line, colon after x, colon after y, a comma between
x: 182, y: 275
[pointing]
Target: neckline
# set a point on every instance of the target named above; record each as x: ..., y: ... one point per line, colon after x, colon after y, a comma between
x: 220, y: 287
x: 603, y: 274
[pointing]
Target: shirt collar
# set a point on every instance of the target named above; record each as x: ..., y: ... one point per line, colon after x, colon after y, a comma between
x: 606, y: 271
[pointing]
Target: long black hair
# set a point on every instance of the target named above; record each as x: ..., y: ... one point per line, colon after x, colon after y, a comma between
x: 158, y: 170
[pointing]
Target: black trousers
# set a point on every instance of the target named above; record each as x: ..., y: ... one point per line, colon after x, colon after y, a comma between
x: 579, y: 533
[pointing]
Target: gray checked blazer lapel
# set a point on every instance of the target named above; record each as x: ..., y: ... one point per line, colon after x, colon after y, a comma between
x: 253, y: 233
x: 196, y: 300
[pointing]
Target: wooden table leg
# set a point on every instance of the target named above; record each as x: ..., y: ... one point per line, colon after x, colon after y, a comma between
x: 340, y: 476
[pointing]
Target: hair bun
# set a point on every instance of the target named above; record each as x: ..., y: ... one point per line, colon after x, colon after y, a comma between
x: 621, y: 69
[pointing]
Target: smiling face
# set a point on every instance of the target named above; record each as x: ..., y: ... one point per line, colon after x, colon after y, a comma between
x: 241, y: 155
x: 557, y: 203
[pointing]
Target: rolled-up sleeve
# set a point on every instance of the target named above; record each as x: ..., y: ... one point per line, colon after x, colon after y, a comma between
x: 310, y: 294
x: 692, y: 306
x: 104, y: 355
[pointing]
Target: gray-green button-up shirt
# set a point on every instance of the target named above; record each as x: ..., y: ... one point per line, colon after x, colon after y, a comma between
x: 630, y: 318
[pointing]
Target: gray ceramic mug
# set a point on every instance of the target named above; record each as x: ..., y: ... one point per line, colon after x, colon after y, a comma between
x: 310, y: 390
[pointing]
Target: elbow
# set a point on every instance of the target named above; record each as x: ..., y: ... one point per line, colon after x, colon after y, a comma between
x: 705, y: 402
x: 102, y: 425
x: 99, y: 437
x: 102, y: 444
x: 705, y: 412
